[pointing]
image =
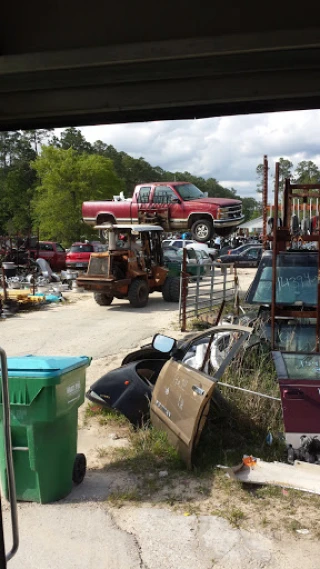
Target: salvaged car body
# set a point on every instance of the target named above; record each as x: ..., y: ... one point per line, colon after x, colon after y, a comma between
x: 295, y: 355
x: 250, y: 257
x: 173, y: 205
x: 180, y: 382
x: 299, y: 382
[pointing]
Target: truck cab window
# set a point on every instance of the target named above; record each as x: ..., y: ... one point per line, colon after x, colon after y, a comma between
x: 163, y: 194
x: 144, y: 194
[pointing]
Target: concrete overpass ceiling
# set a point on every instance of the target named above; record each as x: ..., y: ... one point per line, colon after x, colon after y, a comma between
x: 76, y: 63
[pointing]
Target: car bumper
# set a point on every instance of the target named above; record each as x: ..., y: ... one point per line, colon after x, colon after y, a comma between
x: 228, y: 222
x: 75, y: 266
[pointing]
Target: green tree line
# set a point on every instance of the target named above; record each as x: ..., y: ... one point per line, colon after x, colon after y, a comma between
x: 306, y: 172
x: 44, y: 179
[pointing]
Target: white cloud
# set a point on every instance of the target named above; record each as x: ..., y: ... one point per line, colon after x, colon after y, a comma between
x: 226, y: 148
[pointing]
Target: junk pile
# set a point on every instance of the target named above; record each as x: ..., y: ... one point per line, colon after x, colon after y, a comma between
x: 173, y: 383
x: 31, y: 285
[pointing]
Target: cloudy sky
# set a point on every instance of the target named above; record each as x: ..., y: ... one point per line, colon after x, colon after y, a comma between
x: 227, y: 148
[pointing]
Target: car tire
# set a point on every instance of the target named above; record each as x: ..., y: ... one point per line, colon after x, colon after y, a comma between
x: 138, y: 294
x: 102, y: 299
x: 202, y: 230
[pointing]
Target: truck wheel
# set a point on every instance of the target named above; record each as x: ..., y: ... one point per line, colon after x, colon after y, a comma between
x: 79, y: 468
x: 138, y: 293
x: 166, y: 290
x: 202, y: 230
x: 102, y: 299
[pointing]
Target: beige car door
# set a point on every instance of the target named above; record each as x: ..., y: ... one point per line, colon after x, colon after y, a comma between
x: 182, y: 394
x: 180, y: 404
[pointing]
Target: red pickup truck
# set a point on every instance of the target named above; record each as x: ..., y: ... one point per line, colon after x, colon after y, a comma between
x: 52, y: 252
x: 178, y: 206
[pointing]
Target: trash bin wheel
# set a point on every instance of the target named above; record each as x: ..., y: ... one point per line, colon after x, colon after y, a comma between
x: 79, y: 468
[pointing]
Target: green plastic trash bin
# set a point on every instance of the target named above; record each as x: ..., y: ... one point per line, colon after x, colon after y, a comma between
x: 45, y: 393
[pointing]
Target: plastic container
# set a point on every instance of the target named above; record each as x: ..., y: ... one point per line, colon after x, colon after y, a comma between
x: 45, y: 393
x: 9, y: 269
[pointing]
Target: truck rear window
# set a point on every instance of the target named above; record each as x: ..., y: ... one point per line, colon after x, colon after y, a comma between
x: 85, y: 248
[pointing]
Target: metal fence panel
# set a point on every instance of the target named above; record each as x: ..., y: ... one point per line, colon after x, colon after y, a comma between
x: 205, y: 290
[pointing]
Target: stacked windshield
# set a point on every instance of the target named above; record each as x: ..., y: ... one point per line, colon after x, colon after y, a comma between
x: 189, y: 192
x: 296, y: 279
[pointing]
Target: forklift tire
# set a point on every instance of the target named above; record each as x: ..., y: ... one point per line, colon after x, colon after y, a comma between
x: 175, y: 289
x: 102, y: 299
x: 166, y: 290
x: 138, y: 294
x: 171, y: 289
x: 79, y: 468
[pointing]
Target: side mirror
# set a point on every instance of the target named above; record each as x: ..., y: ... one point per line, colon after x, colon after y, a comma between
x: 163, y: 343
x: 175, y: 200
x: 206, y: 194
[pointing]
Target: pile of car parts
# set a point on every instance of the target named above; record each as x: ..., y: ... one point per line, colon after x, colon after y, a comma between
x: 174, y: 382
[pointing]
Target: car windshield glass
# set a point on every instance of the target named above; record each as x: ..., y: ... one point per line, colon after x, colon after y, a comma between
x: 172, y: 254
x: 301, y: 366
x: 60, y: 248
x: 189, y: 192
x: 292, y: 335
x: 85, y: 248
x: 296, y: 279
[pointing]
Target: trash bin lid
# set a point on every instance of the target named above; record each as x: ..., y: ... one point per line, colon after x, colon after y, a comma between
x: 45, y: 367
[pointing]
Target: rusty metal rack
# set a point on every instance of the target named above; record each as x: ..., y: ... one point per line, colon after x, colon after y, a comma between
x: 289, y: 237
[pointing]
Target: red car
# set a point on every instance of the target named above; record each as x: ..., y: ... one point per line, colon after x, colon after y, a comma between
x: 79, y: 255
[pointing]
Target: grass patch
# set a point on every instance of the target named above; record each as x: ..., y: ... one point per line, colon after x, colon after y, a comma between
x: 119, y: 497
x: 241, y: 422
x: 235, y: 516
x: 105, y: 416
x: 149, y: 450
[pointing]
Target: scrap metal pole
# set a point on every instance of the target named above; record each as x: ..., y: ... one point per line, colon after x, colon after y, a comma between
x: 197, y: 292
x: 184, y: 291
x: 274, y: 255
x: 289, y: 205
x: 212, y: 275
x: 265, y: 203
x: 4, y: 286
x: 318, y: 295
x: 208, y: 350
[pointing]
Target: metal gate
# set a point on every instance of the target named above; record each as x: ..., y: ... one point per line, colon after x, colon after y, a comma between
x: 207, y: 289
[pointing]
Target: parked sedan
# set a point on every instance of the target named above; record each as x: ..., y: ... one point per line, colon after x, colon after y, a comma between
x: 242, y: 248
x: 78, y: 256
x: 248, y: 258
x: 188, y: 243
x: 196, y: 259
